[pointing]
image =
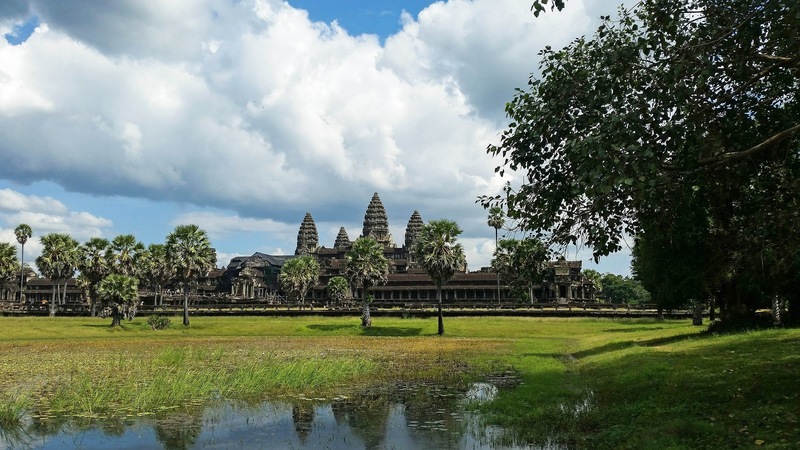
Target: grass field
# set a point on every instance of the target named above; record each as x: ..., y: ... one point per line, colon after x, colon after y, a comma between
x: 589, y: 383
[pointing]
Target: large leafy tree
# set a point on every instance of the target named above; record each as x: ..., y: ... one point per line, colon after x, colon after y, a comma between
x: 366, y: 266
x: 58, y: 262
x: 23, y: 232
x: 298, y: 276
x: 677, y: 102
x: 440, y: 255
x: 521, y: 264
x: 94, y: 264
x: 120, y: 293
x: 189, y: 256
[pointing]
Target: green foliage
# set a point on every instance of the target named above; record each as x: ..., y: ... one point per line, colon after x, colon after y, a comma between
x: 158, y: 322
x: 365, y: 266
x: 120, y: 293
x: 338, y: 289
x: 298, y: 276
x: 521, y: 264
x: 8, y: 263
x: 189, y: 256
x: 663, y: 111
x: 625, y: 290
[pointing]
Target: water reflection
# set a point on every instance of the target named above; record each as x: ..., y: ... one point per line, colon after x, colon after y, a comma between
x: 403, y: 416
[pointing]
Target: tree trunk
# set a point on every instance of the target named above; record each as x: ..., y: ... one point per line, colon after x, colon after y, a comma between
x: 497, y: 272
x: 366, y: 319
x: 712, y: 313
x: 53, y: 300
x: 92, y: 303
x: 186, y: 306
x: 116, y: 317
x: 777, y: 317
x: 697, y: 313
x: 64, y: 293
x: 22, y: 274
x: 439, y: 303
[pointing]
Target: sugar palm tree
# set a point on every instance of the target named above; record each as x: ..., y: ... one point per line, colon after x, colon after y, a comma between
x: 440, y: 255
x: 338, y: 289
x: 120, y: 293
x: 366, y: 266
x: 94, y: 265
x: 8, y: 263
x: 125, y: 251
x: 496, y: 220
x: 23, y: 232
x: 190, y: 256
x: 153, y: 269
x: 297, y: 276
x: 58, y: 262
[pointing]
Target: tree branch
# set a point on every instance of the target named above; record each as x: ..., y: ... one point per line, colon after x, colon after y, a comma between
x: 736, y: 156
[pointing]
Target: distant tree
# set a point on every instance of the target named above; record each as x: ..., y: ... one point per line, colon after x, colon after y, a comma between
x: 338, y: 289
x: 595, y: 277
x: 366, y: 266
x: 190, y: 256
x: 94, y: 265
x: 624, y: 290
x: 298, y: 275
x: 23, y: 232
x: 441, y: 256
x: 120, y: 293
x: 496, y: 220
x: 8, y: 264
x: 58, y: 262
x: 521, y: 264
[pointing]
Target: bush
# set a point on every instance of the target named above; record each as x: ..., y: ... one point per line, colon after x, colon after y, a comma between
x: 159, y: 322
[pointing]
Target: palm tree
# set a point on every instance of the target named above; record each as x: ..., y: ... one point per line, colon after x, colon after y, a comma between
x: 153, y: 269
x: 58, y: 261
x: 297, y: 276
x: 366, y: 266
x: 439, y: 254
x: 125, y: 251
x: 120, y: 293
x: 496, y: 220
x: 23, y: 233
x: 338, y: 289
x: 8, y: 263
x: 190, y: 256
x: 94, y: 266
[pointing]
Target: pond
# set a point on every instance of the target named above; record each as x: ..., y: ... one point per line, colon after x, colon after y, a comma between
x: 402, y: 416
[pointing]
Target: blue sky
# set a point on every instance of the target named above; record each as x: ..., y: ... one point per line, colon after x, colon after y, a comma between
x: 136, y: 116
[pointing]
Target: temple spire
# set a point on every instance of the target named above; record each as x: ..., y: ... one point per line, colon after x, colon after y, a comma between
x: 342, y: 239
x: 376, y: 224
x: 413, y: 229
x: 307, y: 237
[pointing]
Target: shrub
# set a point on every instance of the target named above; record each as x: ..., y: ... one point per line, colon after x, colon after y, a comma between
x: 159, y: 322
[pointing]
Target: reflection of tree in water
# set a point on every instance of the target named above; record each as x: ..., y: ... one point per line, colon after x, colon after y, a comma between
x: 303, y: 417
x: 366, y: 413
x: 180, y: 429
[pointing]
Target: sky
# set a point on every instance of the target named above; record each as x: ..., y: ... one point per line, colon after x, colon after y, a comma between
x: 134, y: 116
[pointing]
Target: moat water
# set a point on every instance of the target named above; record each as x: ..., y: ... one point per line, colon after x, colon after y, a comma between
x: 402, y: 416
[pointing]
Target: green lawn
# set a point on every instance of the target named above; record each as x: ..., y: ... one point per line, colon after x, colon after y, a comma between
x: 589, y: 383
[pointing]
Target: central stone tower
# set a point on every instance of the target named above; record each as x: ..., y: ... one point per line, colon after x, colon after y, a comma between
x: 376, y: 224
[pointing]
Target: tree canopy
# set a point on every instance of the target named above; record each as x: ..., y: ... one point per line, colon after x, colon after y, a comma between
x: 676, y: 106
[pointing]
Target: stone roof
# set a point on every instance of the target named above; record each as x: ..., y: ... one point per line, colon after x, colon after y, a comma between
x: 376, y: 223
x: 413, y: 229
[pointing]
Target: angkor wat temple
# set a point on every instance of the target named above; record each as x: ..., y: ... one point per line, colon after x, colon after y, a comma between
x: 256, y: 276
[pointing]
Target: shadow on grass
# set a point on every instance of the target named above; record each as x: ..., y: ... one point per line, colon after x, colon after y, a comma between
x: 371, y: 331
x: 631, y: 330
x: 614, y: 346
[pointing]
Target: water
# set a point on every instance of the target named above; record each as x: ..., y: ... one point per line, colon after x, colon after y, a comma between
x: 401, y: 416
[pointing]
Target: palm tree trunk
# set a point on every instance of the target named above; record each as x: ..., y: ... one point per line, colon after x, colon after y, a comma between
x: 64, y: 293
x: 439, y: 302
x: 186, y: 305
x: 53, y: 300
x: 497, y: 272
x: 366, y: 320
x: 22, y: 273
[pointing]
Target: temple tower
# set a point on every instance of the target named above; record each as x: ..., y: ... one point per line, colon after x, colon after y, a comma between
x: 413, y: 229
x: 307, y: 237
x: 342, y: 240
x: 376, y: 224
